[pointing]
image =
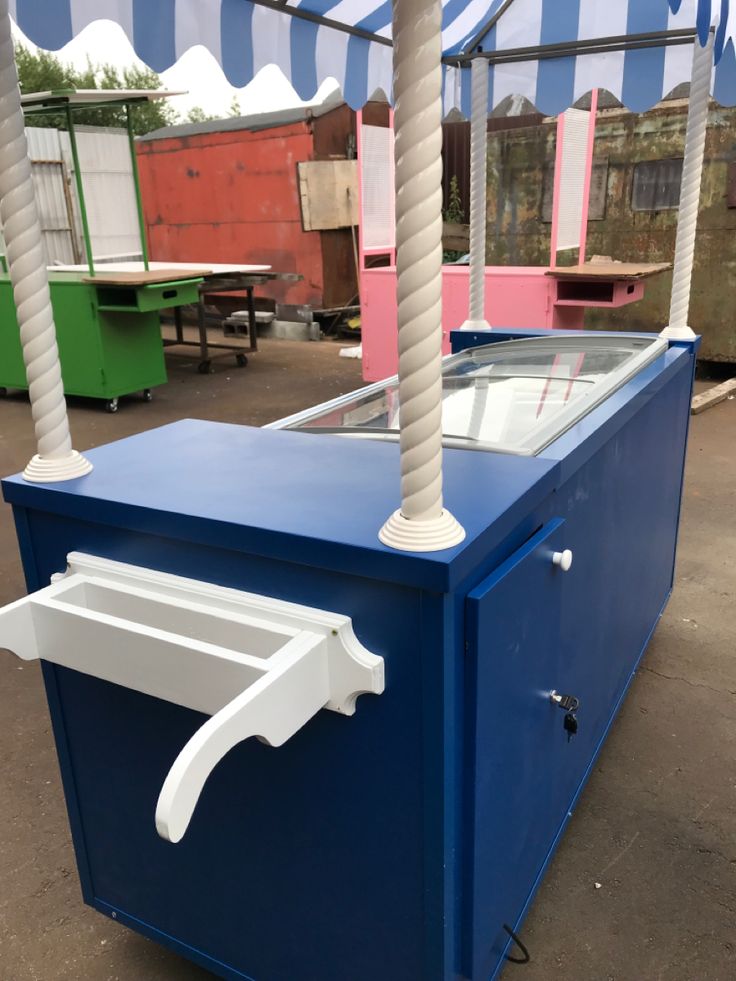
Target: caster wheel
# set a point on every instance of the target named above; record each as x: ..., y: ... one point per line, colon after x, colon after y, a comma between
x: 111, y: 405
x: 241, y: 360
x: 147, y: 395
x: 205, y: 368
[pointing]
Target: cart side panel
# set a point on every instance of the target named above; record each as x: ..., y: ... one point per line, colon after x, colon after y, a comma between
x: 533, y: 629
x: 103, y: 355
x: 302, y: 862
x: 132, y: 352
x: 12, y: 370
x: 77, y: 336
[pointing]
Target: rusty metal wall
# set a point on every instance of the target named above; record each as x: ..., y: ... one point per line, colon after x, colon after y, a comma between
x: 456, y: 163
x: 517, y: 235
x: 233, y: 196
x: 335, y: 137
x: 456, y: 152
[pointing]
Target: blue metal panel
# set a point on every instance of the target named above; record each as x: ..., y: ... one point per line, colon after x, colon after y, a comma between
x: 531, y: 630
x: 583, y: 440
x: 355, y: 840
x: 298, y: 858
x: 461, y: 340
x: 525, y: 770
x: 186, y: 481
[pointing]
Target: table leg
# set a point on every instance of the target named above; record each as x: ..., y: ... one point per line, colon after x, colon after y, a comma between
x: 203, y: 351
x: 252, y: 322
x: 178, y: 325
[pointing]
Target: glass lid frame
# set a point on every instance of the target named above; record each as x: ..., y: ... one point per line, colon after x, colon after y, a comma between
x: 540, y: 387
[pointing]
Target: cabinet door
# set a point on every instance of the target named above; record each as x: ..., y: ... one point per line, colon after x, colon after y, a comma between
x: 526, y: 767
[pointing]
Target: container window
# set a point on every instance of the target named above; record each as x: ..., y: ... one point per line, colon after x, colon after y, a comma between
x: 657, y: 185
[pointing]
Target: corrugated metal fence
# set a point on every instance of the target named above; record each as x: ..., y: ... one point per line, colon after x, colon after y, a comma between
x: 109, y: 191
x: 51, y: 162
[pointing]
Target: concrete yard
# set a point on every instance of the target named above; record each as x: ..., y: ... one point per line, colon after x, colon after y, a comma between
x: 644, y: 884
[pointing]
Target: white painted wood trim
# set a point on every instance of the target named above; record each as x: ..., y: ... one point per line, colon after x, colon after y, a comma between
x: 260, y: 667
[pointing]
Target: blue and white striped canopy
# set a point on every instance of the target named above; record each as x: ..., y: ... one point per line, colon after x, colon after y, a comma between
x: 551, y: 51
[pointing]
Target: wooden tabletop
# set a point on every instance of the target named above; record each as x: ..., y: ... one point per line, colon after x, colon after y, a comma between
x: 610, y: 270
x: 144, y: 278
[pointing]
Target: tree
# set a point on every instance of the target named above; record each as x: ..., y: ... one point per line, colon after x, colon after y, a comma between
x: 454, y: 212
x: 42, y: 72
x: 197, y: 115
x: 234, y: 109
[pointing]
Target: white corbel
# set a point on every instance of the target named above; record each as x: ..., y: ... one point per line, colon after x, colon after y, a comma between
x: 258, y: 666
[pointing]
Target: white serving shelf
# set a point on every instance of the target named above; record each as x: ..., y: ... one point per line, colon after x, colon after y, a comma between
x: 258, y: 666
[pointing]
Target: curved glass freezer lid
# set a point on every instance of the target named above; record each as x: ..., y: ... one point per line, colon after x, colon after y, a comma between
x: 509, y: 397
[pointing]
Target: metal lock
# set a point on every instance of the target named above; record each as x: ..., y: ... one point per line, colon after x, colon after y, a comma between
x: 569, y: 704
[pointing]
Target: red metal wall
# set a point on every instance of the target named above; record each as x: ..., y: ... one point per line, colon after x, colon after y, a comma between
x: 233, y: 197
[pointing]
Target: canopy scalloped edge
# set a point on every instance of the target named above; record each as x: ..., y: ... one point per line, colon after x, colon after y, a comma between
x: 721, y: 13
x: 243, y: 38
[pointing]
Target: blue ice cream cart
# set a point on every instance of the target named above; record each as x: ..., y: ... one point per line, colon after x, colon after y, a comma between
x: 174, y: 620
x: 303, y: 740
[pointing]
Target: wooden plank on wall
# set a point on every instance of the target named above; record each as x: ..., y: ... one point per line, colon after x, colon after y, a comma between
x: 328, y: 190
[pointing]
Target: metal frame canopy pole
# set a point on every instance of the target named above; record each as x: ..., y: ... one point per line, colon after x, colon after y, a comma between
x: 137, y: 184
x: 692, y: 176
x: 55, y: 460
x: 422, y: 524
x: 479, y: 70
x: 80, y: 189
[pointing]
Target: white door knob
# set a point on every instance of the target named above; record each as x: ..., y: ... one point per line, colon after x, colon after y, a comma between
x: 562, y: 559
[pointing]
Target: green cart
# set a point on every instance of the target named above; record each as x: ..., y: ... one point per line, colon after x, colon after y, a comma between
x: 107, y: 324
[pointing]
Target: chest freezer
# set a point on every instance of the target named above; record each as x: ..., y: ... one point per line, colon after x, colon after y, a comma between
x: 514, y: 396
x: 291, y: 753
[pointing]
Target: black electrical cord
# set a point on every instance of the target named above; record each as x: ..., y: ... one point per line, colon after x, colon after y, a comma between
x: 526, y: 957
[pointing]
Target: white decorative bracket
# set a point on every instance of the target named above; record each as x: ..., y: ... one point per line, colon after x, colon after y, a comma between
x: 260, y: 667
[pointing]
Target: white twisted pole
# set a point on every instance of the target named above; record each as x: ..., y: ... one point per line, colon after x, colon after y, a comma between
x: 692, y: 174
x: 422, y: 525
x: 478, y: 188
x: 55, y: 460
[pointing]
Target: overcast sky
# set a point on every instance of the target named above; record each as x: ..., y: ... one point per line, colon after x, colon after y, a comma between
x: 197, y: 72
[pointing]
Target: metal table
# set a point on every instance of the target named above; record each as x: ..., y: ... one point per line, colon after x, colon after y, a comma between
x: 226, y: 282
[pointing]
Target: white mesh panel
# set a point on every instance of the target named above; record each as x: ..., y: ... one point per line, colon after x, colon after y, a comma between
x: 378, y: 224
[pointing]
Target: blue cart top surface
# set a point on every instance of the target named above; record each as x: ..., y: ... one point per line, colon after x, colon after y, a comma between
x: 320, y: 500
x: 316, y: 500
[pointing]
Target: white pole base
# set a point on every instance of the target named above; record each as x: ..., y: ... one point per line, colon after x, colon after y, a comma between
x: 52, y: 470
x: 419, y: 535
x: 476, y: 325
x: 678, y: 334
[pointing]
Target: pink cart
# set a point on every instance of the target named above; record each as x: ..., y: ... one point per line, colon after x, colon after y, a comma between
x: 551, y: 296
